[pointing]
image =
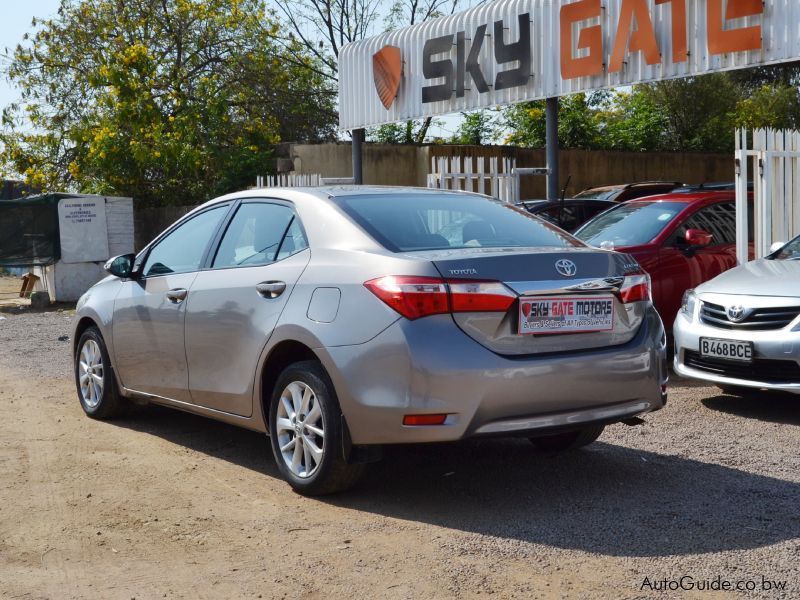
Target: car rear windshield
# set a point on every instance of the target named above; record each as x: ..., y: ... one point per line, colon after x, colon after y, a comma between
x: 597, y: 194
x: 630, y: 224
x: 409, y: 222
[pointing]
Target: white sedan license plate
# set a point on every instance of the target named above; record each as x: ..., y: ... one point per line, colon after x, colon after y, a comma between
x: 566, y: 314
x: 726, y: 349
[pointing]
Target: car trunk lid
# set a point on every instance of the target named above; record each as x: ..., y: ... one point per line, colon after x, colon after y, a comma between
x: 550, y: 282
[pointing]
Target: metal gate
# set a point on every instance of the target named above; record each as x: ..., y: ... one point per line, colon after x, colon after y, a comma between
x: 492, y: 175
x: 774, y: 163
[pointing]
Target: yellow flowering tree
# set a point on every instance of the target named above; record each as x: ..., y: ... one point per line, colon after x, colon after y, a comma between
x: 167, y: 101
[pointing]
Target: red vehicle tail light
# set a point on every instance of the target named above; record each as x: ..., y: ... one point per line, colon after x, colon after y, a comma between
x: 418, y: 420
x: 412, y: 297
x: 415, y: 297
x: 479, y: 296
x: 636, y: 288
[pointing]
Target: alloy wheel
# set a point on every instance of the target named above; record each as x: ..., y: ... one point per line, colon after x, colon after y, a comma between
x: 300, y: 426
x: 90, y: 373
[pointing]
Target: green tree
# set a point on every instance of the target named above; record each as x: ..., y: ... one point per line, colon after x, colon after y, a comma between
x: 578, y: 124
x: 409, y: 132
x: 476, y: 129
x: 167, y: 101
x: 774, y: 106
x: 699, y: 112
x: 632, y: 122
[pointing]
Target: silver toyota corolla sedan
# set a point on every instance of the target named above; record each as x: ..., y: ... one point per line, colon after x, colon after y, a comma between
x: 337, y: 320
x: 741, y: 330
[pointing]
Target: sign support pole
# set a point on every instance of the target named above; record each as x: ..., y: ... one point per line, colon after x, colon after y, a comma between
x: 551, y: 142
x: 358, y: 139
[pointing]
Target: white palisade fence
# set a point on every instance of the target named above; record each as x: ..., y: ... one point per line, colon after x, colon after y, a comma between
x: 289, y: 180
x: 774, y: 163
x: 486, y: 175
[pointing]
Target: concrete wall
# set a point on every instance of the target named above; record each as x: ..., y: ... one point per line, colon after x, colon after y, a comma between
x: 409, y: 165
x: 382, y: 164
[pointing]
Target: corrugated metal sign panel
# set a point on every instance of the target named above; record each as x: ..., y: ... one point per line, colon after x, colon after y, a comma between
x: 776, y: 22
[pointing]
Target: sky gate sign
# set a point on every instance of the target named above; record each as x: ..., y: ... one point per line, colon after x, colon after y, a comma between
x: 510, y: 51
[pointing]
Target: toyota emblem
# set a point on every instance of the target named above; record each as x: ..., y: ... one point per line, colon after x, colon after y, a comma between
x: 736, y: 313
x: 566, y: 267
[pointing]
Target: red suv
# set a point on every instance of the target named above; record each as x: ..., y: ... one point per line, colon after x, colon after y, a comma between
x: 680, y: 239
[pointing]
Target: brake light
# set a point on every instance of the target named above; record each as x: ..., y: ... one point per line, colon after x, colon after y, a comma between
x: 424, y: 420
x: 636, y: 288
x: 412, y: 297
x: 479, y: 296
x: 415, y: 297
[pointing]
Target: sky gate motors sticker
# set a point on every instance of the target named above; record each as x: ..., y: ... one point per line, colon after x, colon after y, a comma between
x: 578, y: 314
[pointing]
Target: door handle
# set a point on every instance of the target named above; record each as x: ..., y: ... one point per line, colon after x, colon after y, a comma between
x: 271, y: 289
x: 177, y: 295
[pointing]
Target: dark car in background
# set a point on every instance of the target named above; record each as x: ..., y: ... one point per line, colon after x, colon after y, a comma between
x: 629, y: 191
x: 680, y: 239
x: 568, y: 214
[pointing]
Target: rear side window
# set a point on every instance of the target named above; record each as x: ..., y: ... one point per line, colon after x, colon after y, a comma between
x: 254, y: 235
x: 408, y: 222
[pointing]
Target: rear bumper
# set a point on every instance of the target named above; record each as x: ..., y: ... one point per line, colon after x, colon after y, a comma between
x: 431, y: 366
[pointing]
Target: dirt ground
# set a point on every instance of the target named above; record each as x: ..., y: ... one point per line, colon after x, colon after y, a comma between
x: 163, y: 504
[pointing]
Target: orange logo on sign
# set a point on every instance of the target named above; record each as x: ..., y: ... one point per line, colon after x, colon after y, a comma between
x: 722, y: 36
x: 387, y: 70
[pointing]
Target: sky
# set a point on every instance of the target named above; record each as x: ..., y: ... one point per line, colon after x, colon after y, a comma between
x: 15, y: 21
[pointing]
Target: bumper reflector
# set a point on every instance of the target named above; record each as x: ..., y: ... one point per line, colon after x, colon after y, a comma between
x: 417, y: 420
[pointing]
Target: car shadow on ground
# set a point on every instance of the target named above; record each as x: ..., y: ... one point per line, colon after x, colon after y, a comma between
x: 772, y: 407
x: 606, y: 499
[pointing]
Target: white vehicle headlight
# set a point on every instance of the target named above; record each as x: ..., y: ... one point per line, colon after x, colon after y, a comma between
x: 688, y: 303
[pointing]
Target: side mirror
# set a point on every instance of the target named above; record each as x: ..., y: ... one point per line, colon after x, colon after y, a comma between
x: 698, y: 238
x: 121, y: 266
x: 776, y: 246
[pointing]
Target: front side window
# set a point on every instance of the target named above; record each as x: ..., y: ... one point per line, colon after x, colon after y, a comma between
x: 717, y: 219
x: 630, y: 224
x: 408, y: 222
x: 255, y: 234
x: 182, y: 250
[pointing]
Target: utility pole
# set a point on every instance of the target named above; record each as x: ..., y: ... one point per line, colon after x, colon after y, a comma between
x: 551, y: 141
x: 358, y: 140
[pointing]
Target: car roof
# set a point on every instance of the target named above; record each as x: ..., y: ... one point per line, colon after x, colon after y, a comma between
x: 626, y: 186
x: 305, y: 194
x: 685, y: 197
x: 538, y: 203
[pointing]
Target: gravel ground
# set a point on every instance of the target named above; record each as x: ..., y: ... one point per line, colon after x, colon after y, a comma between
x: 164, y: 504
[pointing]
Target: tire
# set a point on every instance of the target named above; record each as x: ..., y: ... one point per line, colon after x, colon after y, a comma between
x: 101, y: 399
x: 316, y: 466
x: 569, y: 440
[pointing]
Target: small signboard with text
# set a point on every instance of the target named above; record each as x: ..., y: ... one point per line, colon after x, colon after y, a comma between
x: 83, y: 229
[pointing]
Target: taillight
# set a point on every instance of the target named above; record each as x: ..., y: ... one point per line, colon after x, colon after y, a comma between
x: 479, y: 296
x: 412, y: 297
x: 415, y: 297
x: 635, y: 288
